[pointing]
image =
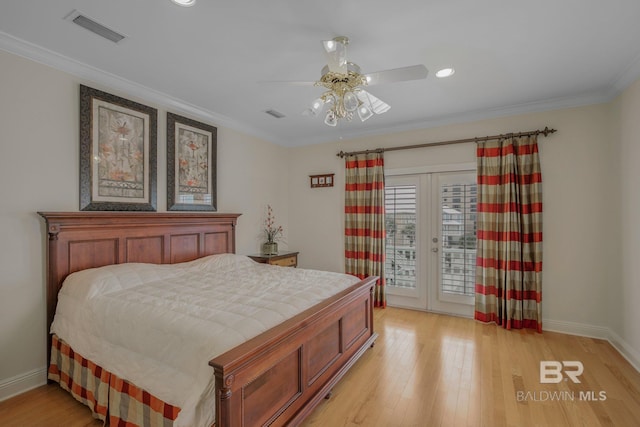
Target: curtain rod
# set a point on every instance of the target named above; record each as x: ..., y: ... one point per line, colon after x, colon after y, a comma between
x: 546, y: 132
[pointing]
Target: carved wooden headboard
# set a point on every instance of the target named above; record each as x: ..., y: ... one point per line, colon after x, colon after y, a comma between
x: 81, y: 240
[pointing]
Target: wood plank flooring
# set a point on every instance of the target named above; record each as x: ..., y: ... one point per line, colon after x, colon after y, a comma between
x: 434, y: 370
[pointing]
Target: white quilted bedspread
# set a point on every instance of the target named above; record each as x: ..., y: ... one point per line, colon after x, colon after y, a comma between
x: 159, y: 325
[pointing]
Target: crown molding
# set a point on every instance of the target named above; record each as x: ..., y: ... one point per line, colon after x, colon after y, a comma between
x: 88, y: 73
x: 627, y: 77
x: 559, y: 103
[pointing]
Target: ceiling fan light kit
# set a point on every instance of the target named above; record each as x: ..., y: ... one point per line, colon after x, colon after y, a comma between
x: 345, y: 95
x: 341, y: 97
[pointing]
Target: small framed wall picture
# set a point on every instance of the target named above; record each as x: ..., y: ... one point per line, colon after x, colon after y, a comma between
x: 321, y: 180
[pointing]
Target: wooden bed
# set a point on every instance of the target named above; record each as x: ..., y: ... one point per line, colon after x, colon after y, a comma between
x: 276, y: 378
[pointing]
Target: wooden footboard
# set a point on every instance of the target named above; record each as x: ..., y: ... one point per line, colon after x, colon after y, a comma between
x: 278, y: 377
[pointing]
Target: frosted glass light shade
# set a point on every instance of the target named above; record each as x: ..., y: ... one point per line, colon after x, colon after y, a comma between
x: 350, y: 101
x: 330, y: 119
x: 364, y: 112
x: 316, y: 106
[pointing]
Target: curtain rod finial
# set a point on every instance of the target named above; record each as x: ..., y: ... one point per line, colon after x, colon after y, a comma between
x: 548, y: 131
x: 340, y: 154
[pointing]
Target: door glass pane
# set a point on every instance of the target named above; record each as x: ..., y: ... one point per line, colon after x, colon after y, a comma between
x: 458, y: 231
x: 400, y: 223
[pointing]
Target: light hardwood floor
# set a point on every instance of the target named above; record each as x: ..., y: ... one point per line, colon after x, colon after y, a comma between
x: 434, y: 370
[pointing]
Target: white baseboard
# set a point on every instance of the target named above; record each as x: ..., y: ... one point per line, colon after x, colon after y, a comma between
x: 21, y: 383
x: 600, y: 332
x: 628, y: 352
x: 573, y: 328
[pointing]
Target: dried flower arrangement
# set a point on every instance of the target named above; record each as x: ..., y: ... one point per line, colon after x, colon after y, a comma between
x: 272, y: 231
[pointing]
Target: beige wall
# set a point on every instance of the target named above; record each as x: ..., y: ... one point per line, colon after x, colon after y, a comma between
x: 591, y: 237
x: 39, y: 172
x: 580, y: 204
x: 626, y: 297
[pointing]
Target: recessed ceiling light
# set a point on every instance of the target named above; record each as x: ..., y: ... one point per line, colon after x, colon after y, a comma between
x: 445, y: 72
x: 185, y: 3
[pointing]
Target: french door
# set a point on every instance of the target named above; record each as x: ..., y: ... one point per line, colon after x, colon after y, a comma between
x: 431, y: 241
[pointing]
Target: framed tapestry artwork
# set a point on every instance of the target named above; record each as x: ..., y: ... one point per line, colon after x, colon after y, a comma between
x: 191, y: 165
x: 117, y: 153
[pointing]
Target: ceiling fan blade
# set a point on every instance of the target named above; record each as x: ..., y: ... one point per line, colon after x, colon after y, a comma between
x: 286, y: 82
x: 374, y: 104
x: 336, y: 54
x: 413, y: 72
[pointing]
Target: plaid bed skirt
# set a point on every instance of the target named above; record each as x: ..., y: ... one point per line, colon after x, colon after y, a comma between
x: 110, y: 398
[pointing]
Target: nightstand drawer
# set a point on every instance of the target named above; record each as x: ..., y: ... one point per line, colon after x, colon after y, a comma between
x: 291, y: 261
x: 282, y: 259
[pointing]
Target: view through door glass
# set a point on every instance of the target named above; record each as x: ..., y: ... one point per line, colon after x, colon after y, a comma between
x: 458, y: 202
x: 431, y: 241
x: 404, y: 264
x: 400, y: 224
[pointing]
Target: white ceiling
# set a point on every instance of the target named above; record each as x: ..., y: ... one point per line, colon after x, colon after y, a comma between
x: 210, y: 61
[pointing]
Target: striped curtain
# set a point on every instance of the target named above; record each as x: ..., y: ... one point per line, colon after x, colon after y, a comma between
x: 364, y: 220
x: 509, y: 257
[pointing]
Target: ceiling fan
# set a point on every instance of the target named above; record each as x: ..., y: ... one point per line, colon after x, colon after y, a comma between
x: 345, y: 95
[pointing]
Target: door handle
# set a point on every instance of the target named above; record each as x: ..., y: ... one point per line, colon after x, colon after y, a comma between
x: 434, y: 249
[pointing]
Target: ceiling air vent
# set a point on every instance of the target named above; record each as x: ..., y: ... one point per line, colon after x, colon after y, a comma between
x: 94, y: 26
x: 275, y: 113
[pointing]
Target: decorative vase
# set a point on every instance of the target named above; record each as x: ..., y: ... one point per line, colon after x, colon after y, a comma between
x: 270, y: 248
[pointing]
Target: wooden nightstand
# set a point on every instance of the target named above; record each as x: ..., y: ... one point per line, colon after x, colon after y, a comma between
x: 284, y: 259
